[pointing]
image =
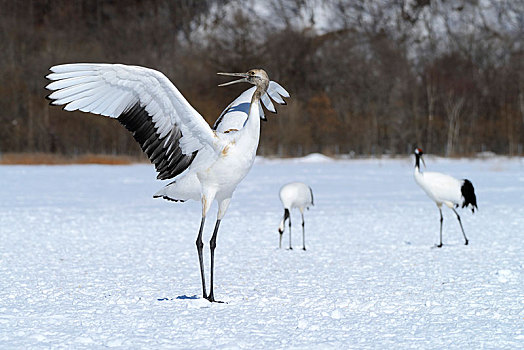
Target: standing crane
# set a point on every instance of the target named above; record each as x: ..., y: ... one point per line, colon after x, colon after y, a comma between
x: 175, y: 137
x: 444, y: 189
x: 294, y: 195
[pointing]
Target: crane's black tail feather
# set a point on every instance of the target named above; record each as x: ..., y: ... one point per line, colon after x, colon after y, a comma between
x: 468, y: 192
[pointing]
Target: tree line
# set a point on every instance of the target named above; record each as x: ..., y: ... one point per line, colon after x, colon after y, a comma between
x: 375, y: 77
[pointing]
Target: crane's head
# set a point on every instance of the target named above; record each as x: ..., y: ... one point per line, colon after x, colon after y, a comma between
x: 256, y: 77
x: 418, y: 154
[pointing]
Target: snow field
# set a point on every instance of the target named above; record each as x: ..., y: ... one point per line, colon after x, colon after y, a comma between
x: 89, y: 259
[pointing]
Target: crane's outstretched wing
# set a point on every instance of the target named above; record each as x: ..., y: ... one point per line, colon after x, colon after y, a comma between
x: 235, y: 115
x: 169, y: 130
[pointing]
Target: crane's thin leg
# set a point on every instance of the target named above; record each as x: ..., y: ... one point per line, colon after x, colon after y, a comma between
x: 462, y: 228
x: 441, y: 220
x: 212, y: 246
x: 207, y: 199
x: 303, y: 233
x: 282, y: 227
x: 200, y: 246
x: 290, y: 247
x: 222, y: 208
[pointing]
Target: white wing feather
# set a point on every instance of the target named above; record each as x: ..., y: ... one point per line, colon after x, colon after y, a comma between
x: 274, y: 89
x: 235, y: 115
x: 111, y: 89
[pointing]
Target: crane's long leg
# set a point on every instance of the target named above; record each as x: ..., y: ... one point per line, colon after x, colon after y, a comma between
x: 222, y: 208
x: 462, y: 228
x: 441, y: 220
x: 200, y: 246
x: 207, y: 199
x: 290, y: 247
x: 303, y: 233
x: 282, y: 227
x: 212, y: 246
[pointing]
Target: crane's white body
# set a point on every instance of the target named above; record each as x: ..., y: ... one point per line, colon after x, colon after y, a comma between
x: 441, y: 188
x: 239, y: 126
x: 219, y: 178
x: 208, y: 163
x: 294, y: 195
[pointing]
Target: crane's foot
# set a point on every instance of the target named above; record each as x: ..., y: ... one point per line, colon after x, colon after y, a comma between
x: 290, y: 248
x: 467, y: 242
x: 304, y: 248
x: 211, y: 299
x: 439, y: 245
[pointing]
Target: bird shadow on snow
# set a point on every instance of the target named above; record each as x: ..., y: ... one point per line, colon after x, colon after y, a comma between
x: 187, y: 297
x: 194, y: 302
x: 180, y: 297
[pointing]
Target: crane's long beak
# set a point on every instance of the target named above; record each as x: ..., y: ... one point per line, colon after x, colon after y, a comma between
x: 242, y: 80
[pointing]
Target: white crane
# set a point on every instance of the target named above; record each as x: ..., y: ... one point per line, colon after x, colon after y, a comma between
x: 172, y: 133
x: 444, y: 189
x: 294, y: 195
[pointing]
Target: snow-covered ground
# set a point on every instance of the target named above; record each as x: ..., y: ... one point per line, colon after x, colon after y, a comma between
x: 89, y: 259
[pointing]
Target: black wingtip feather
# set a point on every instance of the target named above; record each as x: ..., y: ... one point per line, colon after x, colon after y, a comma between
x: 139, y: 123
x: 468, y: 192
x: 169, y: 198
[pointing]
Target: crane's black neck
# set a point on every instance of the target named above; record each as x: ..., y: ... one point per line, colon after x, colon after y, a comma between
x: 417, y: 161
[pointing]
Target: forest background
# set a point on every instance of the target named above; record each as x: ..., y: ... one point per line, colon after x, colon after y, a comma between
x: 365, y: 77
